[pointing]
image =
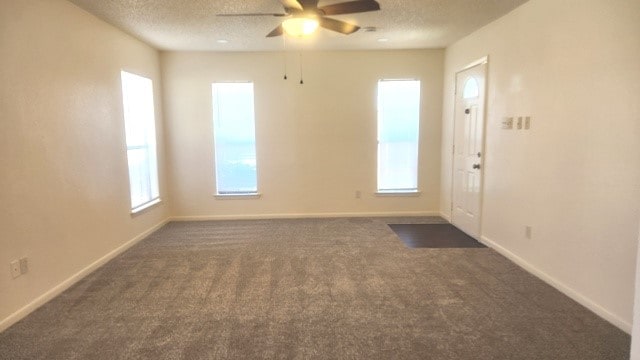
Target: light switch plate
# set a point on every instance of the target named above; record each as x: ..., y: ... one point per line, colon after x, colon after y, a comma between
x: 527, y: 123
x: 24, y: 265
x: 519, y: 122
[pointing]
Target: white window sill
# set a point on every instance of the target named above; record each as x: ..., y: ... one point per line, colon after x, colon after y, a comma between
x: 237, y: 196
x: 398, y: 193
x: 145, y: 206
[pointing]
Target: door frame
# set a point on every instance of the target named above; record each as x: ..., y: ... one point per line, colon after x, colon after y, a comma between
x: 480, y: 61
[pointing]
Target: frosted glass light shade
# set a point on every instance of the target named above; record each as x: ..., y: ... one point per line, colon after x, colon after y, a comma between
x: 300, y: 26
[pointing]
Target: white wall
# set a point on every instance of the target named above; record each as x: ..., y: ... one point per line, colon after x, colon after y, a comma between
x: 574, y: 177
x: 63, y: 183
x: 316, y: 143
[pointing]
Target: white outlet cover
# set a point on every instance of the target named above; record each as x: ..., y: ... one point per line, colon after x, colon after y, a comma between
x: 15, y: 268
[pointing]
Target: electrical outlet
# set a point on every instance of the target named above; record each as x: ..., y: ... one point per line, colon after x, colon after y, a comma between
x: 15, y: 268
x: 358, y: 194
x: 507, y: 123
x: 527, y: 232
x: 24, y: 265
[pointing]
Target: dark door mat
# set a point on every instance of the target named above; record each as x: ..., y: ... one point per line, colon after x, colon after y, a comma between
x: 434, y: 236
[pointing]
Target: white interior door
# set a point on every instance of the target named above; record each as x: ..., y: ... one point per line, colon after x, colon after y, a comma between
x: 468, y: 149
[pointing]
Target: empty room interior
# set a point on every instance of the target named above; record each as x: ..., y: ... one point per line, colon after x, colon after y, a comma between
x: 303, y: 179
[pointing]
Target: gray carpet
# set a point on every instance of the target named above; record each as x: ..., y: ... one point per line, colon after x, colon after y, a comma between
x: 308, y: 289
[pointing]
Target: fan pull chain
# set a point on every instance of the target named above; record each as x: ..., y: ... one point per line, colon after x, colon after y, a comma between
x: 284, y: 54
x: 301, y: 78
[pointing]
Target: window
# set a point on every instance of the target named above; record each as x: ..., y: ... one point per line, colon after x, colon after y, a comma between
x: 139, y: 122
x: 398, y: 125
x: 235, y: 140
x: 471, y: 89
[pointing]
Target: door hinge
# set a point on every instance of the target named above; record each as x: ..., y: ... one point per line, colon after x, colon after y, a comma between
x: 454, y: 149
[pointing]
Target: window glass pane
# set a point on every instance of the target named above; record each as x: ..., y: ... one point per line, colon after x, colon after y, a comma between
x: 398, y: 133
x: 139, y: 176
x: 138, y: 109
x: 471, y: 89
x: 234, y: 137
x: 139, y: 119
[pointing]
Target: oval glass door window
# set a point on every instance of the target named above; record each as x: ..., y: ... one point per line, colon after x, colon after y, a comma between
x: 471, y: 89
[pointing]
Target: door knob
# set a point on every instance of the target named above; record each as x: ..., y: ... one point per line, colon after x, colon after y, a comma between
x: 476, y: 166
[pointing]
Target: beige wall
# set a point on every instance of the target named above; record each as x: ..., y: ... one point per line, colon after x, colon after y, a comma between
x: 316, y: 143
x: 63, y: 181
x: 574, y: 177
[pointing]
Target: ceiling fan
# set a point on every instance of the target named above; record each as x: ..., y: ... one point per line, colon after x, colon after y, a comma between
x: 304, y: 16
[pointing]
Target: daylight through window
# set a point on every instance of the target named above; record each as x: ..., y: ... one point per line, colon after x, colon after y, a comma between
x: 234, y: 137
x: 139, y: 120
x: 398, y: 129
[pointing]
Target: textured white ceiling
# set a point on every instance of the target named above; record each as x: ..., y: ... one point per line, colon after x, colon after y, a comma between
x: 193, y: 25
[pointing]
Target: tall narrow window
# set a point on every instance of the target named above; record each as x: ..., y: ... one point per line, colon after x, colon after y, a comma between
x: 235, y: 139
x: 139, y: 121
x: 398, y: 129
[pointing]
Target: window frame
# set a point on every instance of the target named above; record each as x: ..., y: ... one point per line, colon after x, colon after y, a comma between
x: 150, y: 142
x: 403, y: 192
x: 232, y: 194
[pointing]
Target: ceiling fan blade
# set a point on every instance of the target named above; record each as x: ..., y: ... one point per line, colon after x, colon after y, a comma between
x: 350, y: 7
x: 253, y: 14
x: 291, y: 4
x: 276, y: 32
x: 339, y: 26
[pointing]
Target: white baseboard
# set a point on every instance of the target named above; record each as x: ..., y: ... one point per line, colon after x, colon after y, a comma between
x: 303, y: 216
x: 445, y: 216
x: 58, y: 289
x: 563, y: 288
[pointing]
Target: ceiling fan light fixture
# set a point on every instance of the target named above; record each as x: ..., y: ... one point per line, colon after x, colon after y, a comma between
x: 300, y: 26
